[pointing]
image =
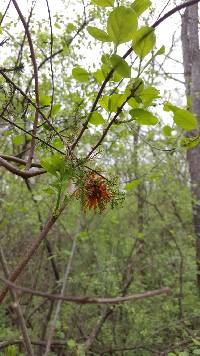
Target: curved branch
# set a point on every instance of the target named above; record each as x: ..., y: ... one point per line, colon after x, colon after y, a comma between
x: 88, y: 300
x: 27, y: 255
x: 19, y: 160
x: 16, y: 171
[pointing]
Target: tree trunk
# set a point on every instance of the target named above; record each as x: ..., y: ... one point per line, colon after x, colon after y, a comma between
x: 191, y: 62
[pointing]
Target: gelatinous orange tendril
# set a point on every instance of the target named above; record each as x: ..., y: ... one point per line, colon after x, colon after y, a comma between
x: 95, y: 192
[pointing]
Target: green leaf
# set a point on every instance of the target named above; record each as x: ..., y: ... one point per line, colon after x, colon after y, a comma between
x: 98, y: 34
x: 148, y: 95
x: 115, y: 101
x: 71, y: 343
x: 80, y: 74
x: 121, y: 65
x: 53, y: 164
x: 133, y: 184
x: 133, y: 103
x: 122, y: 24
x: 136, y: 86
x: 144, y: 41
x: 55, y: 109
x: 160, y: 51
x: 70, y: 27
x: 11, y: 351
x: 196, y: 352
x: 185, y: 119
x: 104, y: 102
x: 99, y: 76
x: 103, y: 3
x: 143, y: 117
x: 190, y: 142
x: 139, y: 6
x: 196, y: 341
x: 45, y: 100
x: 96, y: 119
x: 167, y: 130
x: 169, y: 107
x: 58, y: 143
x: 105, y: 58
x: 182, y: 118
x: 18, y: 139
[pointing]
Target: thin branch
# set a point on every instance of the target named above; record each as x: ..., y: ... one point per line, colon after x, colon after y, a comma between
x: 29, y: 133
x: 5, y: 12
x: 51, y: 62
x: 58, y: 307
x: 86, y: 299
x: 17, y: 307
x: 35, y: 70
x: 16, y: 171
x: 16, y: 87
x: 18, y: 160
x: 32, y: 249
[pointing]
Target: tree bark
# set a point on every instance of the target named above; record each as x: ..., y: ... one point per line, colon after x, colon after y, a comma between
x: 191, y: 63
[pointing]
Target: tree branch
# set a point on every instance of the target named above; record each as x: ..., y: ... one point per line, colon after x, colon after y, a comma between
x: 89, y: 300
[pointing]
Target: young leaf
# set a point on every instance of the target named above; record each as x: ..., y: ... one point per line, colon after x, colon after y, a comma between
x: 58, y: 143
x: 121, y: 65
x: 148, y: 95
x: 167, y: 130
x: 133, y: 184
x: 182, y: 118
x: 136, y: 86
x: 98, y: 34
x: 45, y: 100
x: 18, y: 139
x: 53, y: 164
x: 143, y: 117
x: 133, y: 103
x: 190, y: 142
x: 99, y: 76
x: 80, y: 74
x: 55, y: 109
x: 104, y: 102
x: 160, y: 51
x: 103, y: 3
x: 96, y: 119
x: 115, y: 101
x: 185, y: 119
x: 139, y: 6
x: 121, y: 25
x: 143, y: 41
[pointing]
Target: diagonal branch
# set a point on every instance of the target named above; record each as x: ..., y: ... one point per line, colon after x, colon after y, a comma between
x: 35, y: 70
x: 16, y: 171
x: 32, y: 249
x: 17, y: 307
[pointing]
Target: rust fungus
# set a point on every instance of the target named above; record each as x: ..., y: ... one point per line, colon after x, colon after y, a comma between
x: 95, y: 192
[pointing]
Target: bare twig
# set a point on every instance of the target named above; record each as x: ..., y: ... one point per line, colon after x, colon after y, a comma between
x: 17, y: 307
x: 32, y: 249
x: 35, y: 70
x: 58, y: 307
